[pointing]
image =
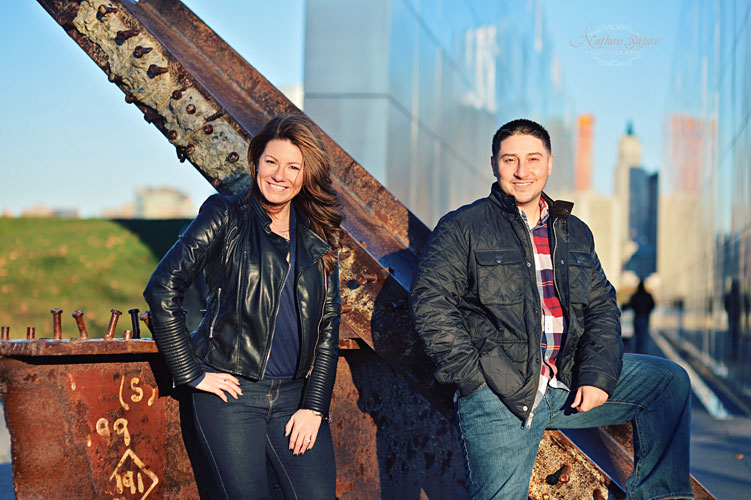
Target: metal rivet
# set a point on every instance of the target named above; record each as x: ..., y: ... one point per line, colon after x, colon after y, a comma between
x: 177, y: 94
x: 216, y: 182
x: 498, y: 260
x: 110, y: 334
x: 103, y: 10
x: 529, y: 264
x: 157, y: 70
x: 215, y: 115
x: 233, y: 157
x: 134, y: 321
x: 146, y: 318
x: 56, y: 323
x: 524, y: 408
x: 208, y: 129
x: 151, y: 116
x: 172, y: 135
x: 190, y: 149
x: 141, y: 51
x: 130, y: 98
x: 78, y: 316
x: 190, y: 109
x: 561, y: 475
x: 125, y: 34
x: 367, y: 278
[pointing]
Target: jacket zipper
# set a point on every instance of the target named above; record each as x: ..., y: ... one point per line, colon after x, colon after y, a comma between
x: 273, y: 330
x: 320, y: 320
x: 216, y: 314
x: 528, y: 422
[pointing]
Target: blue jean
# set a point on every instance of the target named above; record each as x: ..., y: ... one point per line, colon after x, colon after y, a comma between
x: 652, y: 393
x: 239, y: 436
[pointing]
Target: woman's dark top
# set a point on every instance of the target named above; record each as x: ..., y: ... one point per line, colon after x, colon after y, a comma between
x: 285, y: 344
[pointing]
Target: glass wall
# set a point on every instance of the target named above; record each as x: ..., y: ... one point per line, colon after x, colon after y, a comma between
x: 706, y: 208
x: 414, y: 91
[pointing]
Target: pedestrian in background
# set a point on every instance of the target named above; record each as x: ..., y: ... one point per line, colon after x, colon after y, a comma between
x: 642, y: 303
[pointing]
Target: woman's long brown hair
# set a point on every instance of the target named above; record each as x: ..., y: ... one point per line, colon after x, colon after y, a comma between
x: 317, y: 199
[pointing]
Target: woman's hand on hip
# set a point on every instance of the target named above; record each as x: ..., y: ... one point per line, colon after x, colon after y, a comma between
x: 219, y: 383
x: 302, y: 429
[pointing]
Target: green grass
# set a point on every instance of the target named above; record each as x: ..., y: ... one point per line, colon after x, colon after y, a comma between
x: 93, y: 264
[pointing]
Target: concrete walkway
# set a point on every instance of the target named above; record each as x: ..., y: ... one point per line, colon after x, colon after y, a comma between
x: 720, y: 446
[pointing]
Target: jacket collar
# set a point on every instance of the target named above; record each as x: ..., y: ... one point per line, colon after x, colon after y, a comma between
x: 310, y: 246
x: 558, y: 208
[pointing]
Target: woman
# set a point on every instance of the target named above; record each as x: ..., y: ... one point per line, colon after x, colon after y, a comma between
x: 269, y: 338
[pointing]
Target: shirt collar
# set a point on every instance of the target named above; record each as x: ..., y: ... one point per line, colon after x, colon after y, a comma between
x: 544, y: 214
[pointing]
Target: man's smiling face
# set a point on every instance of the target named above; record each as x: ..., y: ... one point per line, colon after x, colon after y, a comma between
x: 523, y: 165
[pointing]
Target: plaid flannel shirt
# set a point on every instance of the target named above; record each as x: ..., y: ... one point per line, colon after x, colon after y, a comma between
x: 553, y: 322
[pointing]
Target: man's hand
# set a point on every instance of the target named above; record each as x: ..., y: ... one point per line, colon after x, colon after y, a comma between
x: 588, y: 397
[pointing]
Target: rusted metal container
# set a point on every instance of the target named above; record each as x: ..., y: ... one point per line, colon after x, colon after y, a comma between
x: 100, y: 419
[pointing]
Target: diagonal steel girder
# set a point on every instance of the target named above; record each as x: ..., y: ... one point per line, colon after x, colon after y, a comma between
x: 208, y: 102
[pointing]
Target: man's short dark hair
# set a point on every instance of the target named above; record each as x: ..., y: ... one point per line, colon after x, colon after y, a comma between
x: 521, y: 127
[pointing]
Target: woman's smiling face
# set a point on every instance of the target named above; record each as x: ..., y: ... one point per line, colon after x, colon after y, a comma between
x: 280, y: 171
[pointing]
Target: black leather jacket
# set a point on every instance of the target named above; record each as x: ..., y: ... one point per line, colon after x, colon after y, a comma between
x: 245, y: 267
x: 476, y: 305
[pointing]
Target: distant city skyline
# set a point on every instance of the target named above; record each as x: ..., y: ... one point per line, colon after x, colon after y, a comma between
x: 70, y: 141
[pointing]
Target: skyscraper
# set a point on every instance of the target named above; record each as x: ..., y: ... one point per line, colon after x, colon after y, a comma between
x: 629, y: 156
x: 642, y: 222
x: 415, y: 90
x: 585, y: 126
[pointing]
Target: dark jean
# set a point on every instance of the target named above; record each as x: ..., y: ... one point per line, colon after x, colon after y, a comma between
x: 652, y: 393
x: 238, y: 437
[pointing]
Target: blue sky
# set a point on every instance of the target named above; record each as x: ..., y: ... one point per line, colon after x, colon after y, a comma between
x: 617, y: 94
x: 69, y: 139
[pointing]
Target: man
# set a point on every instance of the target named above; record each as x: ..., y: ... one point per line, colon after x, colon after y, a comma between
x: 515, y: 310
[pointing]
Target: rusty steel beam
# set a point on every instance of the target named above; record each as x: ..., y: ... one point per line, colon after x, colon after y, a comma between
x: 392, y: 424
x: 87, y: 425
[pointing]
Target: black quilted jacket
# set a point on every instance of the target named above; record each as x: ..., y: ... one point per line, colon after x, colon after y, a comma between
x: 245, y: 267
x: 476, y: 306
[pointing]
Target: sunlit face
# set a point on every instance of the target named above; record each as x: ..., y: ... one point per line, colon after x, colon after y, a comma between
x: 524, y: 165
x: 280, y: 171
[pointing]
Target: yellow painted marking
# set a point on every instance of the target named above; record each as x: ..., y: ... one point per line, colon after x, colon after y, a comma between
x: 138, y: 396
x: 153, y: 396
x: 103, y: 427
x: 121, y: 427
x: 124, y: 479
x: 123, y: 403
